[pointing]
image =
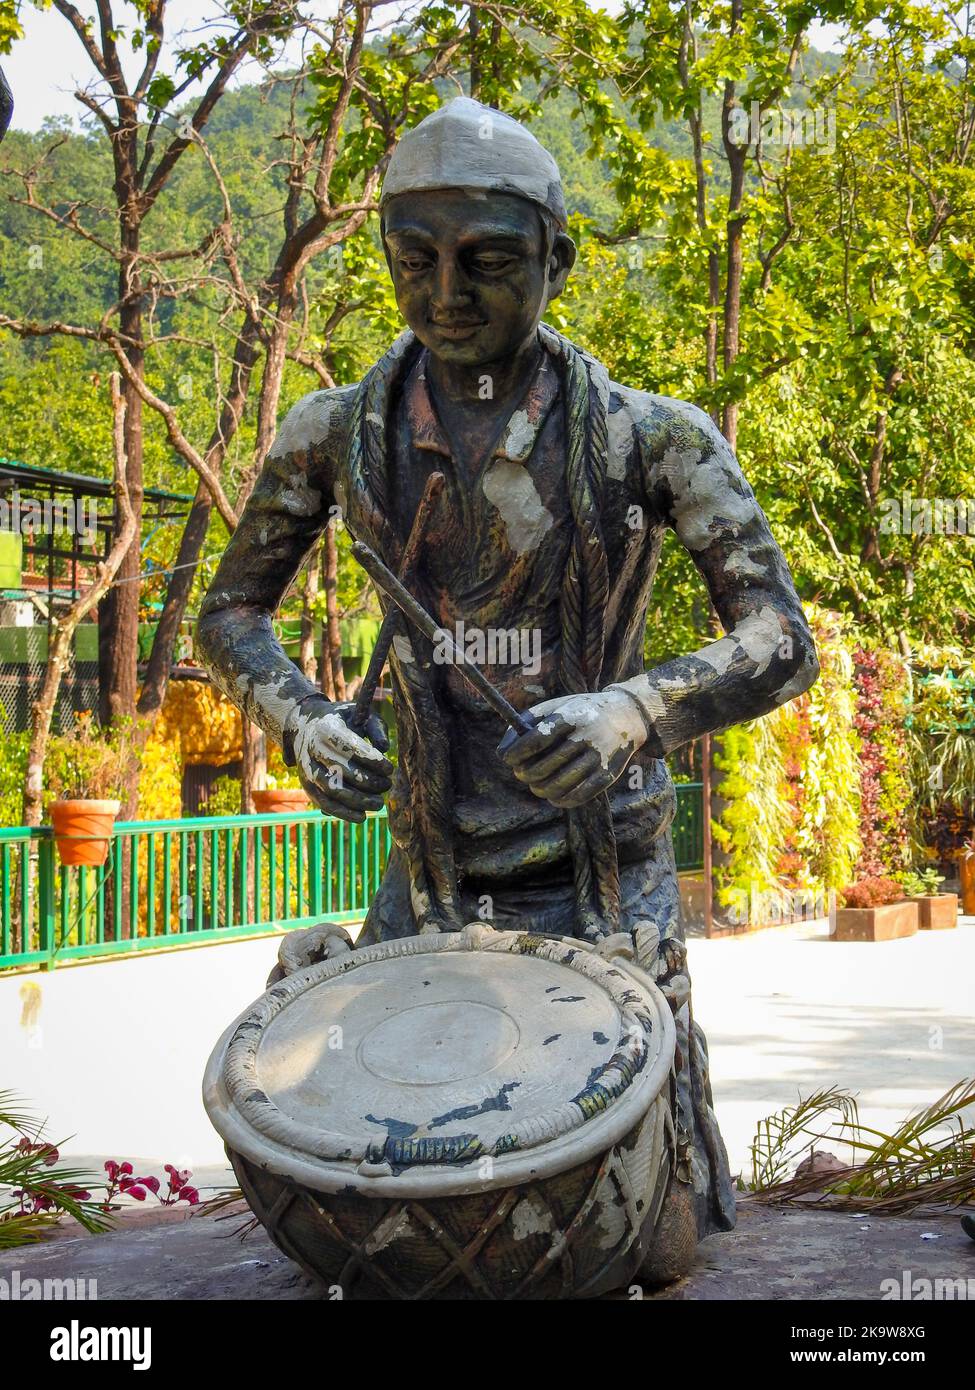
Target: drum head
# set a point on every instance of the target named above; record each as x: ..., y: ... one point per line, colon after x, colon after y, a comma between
x: 441, y: 1062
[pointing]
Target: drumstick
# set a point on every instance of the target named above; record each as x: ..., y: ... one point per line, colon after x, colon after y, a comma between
x: 363, y: 699
x: 384, y: 579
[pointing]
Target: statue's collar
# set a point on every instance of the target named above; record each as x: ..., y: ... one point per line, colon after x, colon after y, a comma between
x: 521, y: 432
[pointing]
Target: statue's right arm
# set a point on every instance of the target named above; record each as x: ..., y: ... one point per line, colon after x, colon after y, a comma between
x: 286, y: 513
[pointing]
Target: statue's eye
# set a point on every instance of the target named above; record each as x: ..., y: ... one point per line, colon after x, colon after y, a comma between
x: 492, y: 263
x: 414, y: 263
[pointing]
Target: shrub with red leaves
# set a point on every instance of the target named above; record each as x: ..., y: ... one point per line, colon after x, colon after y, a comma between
x: 121, y: 1179
x: 873, y: 892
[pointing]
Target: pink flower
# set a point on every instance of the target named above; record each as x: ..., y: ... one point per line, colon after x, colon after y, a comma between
x: 139, y: 1193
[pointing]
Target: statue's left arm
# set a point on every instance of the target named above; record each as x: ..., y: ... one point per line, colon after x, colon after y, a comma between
x: 692, y: 481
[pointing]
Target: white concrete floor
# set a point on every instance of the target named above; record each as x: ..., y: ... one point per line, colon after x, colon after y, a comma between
x: 787, y: 1012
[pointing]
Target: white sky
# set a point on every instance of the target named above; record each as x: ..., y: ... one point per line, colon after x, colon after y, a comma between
x: 49, y: 63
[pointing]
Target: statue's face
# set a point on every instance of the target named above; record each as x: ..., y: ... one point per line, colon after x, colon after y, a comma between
x: 471, y: 275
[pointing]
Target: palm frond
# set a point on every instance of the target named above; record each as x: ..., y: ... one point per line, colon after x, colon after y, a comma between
x: 782, y: 1139
x: 50, y: 1189
x: 913, y: 1166
x: 11, y: 1117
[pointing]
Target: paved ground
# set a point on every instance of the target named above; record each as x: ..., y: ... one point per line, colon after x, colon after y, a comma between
x: 787, y: 1011
x: 773, y: 1254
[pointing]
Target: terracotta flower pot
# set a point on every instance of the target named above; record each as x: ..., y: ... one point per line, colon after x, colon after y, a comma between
x: 966, y: 873
x: 279, y: 801
x: 83, y: 830
x: 884, y: 923
x: 937, y: 912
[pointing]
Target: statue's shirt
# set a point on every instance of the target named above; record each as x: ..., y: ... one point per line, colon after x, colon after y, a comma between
x: 492, y: 572
x: 493, y: 568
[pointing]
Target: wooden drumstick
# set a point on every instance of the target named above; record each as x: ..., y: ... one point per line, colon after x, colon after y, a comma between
x: 370, y: 681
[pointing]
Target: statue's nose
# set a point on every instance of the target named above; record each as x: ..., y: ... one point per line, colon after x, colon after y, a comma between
x: 452, y: 287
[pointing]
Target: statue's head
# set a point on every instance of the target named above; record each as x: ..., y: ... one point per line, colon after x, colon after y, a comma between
x: 473, y: 225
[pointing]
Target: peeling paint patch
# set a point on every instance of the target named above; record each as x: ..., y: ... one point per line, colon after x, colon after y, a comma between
x: 620, y: 429
x: 509, y: 487
x: 305, y: 425
x: 401, y: 1228
x: 298, y: 498
x: 530, y: 1218
x: 602, y: 720
x: 719, y: 655
x: 741, y: 565
x: 404, y: 649
x: 760, y: 635
x: 706, y: 502
x: 519, y: 435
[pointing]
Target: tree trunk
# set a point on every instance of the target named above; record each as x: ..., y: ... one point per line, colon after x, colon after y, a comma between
x: 156, y: 680
x: 333, y: 635
x: 117, y: 695
x: 64, y: 627
x: 737, y: 156
x: 194, y: 534
x: 306, y: 651
x: 473, y: 32
x: 253, y: 767
x: 687, y: 52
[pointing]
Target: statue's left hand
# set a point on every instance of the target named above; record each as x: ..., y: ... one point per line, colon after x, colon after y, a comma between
x: 579, y: 746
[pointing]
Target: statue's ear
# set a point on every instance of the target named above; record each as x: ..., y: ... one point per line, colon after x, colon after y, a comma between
x: 560, y: 262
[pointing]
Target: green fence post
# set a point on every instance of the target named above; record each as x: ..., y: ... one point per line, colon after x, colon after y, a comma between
x: 315, y: 898
x: 45, y: 900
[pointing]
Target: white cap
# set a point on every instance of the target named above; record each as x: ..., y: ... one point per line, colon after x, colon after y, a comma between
x: 467, y: 145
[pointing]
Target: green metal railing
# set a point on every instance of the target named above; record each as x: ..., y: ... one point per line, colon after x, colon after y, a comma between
x: 212, y: 878
x: 183, y: 882
x: 688, y: 826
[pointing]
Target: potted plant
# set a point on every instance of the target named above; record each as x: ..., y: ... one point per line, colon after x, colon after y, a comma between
x: 936, y: 911
x: 85, y: 773
x: 874, y: 909
x: 281, y: 794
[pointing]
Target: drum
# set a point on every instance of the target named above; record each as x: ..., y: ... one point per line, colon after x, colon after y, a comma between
x: 477, y: 1114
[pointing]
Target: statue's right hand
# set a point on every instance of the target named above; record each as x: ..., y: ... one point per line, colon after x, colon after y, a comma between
x: 343, y: 773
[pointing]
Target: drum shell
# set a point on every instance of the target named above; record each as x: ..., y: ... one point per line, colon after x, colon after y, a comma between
x: 575, y: 1234
x: 573, y: 1216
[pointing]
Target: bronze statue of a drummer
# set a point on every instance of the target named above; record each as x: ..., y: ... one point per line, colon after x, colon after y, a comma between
x: 559, y: 485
